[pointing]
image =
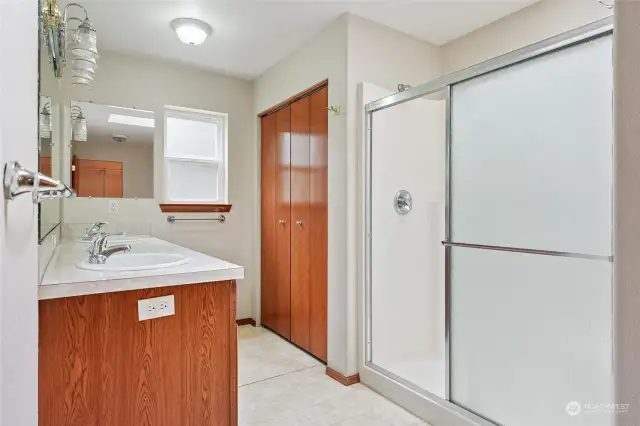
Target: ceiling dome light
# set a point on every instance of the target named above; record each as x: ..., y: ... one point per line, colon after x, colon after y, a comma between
x: 191, y: 31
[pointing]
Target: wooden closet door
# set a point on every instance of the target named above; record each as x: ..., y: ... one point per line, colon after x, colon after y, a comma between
x: 283, y: 226
x: 318, y: 222
x: 113, y: 183
x: 300, y: 297
x: 90, y: 182
x: 268, y: 281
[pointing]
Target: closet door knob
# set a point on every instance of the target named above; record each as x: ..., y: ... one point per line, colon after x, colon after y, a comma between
x: 299, y: 222
x: 281, y: 222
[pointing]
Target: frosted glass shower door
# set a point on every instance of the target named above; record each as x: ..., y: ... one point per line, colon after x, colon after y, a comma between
x: 531, y: 170
x: 407, y: 257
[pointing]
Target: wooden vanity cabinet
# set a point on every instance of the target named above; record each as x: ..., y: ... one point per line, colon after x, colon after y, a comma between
x: 100, y: 366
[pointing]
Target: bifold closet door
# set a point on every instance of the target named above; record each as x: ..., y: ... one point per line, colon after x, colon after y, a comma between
x: 294, y: 222
x: 268, y: 226
x: 282, y: 293
x: 318, y: 225
x: 300, y: 243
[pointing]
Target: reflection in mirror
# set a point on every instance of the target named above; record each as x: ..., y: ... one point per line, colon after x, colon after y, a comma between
x: 111, y: 151
x: 49, y: 211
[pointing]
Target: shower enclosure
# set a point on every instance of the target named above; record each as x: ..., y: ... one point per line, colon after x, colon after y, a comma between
x: 488, y: 239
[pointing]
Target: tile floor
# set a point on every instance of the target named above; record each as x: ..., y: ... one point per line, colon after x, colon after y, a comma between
x: 280, y: 385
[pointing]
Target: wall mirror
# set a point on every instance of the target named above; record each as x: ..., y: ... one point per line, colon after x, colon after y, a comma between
x: 111, y: 151
x: 49, y: 163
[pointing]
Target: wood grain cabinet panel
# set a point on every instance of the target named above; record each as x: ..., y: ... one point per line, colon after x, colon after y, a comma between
x: 100, y: 366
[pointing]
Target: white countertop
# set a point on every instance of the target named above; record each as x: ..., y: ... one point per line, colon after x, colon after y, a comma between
x: 63, y: 279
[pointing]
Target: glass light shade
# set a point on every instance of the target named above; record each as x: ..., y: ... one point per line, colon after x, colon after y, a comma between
x: 79, y: 129
x: 79, y: 81
x: 191, y: 31
x: 85, y: 64
x: 82, y: 40
x: 86, y: 74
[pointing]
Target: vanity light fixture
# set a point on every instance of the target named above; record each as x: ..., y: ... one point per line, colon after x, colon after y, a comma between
x: 80, y: 42
x: 191, y: 31
x: 78, y: 124
x: 45, y: 121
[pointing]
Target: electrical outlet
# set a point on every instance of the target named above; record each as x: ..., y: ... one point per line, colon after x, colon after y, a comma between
x: 156, y: 307
x: 113, y: 206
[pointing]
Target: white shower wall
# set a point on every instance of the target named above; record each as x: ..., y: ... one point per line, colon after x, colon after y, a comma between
x: 407, y: 258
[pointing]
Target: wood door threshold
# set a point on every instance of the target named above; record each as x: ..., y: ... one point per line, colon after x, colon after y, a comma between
x: 345, y: 380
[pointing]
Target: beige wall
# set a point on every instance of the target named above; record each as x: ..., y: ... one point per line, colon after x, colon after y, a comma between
x: 136, y: 159
x: 534, y: 23
x: 346, y: 53
x: 322, y: 57
x: 149, y: 84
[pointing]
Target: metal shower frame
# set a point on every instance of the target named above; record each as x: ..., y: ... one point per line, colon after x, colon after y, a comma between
x: 596, y: 29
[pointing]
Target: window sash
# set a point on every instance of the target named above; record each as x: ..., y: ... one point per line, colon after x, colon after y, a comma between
x: 220, y: 160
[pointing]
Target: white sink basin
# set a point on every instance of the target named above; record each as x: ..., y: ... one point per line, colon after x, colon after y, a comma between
x: 117, y: 239
x: 136, y: 262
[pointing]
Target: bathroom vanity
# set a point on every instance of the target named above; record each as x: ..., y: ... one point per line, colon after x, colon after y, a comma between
x: 101, y: 365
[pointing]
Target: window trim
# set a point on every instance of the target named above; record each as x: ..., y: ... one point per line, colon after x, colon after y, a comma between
x: 222, y: 119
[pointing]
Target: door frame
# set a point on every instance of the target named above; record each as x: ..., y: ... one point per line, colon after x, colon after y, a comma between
x: 18, y: 233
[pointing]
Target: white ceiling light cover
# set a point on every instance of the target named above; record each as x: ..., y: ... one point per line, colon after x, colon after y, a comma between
x: 191, y: 31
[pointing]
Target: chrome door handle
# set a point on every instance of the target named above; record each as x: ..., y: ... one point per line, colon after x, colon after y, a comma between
x: 299, y: 223
x: 19, y: 180
x: 281, y: 222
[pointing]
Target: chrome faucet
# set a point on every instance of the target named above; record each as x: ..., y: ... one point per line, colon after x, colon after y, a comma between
x: 99, y: 252
x: 93, y: 231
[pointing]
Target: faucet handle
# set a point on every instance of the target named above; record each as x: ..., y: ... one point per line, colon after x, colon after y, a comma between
x: 99, y: 224
x: 100, y: 243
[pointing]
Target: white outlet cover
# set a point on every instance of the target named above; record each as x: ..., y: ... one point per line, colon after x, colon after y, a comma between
x: 156, y: 307
x: 113, y: 206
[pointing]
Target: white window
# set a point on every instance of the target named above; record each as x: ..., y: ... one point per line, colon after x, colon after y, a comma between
x: 195, y: 156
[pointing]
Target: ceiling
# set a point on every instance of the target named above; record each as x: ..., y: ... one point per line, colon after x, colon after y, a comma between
x: 99, y: 128
x: 252, y: 35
